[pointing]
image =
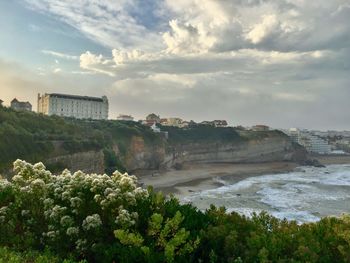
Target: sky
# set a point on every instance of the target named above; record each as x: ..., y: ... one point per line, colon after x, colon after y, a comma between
x: 283, y: 63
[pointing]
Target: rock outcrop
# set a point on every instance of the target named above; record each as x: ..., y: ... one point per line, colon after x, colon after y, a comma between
x: 88, y: 162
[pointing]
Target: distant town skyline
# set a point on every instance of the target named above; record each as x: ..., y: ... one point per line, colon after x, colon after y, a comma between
x: 280, y: 63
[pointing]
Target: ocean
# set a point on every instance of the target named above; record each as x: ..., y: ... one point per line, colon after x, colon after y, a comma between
x: 305, y: 195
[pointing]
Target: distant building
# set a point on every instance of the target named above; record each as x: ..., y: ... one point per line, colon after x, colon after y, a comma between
x: 260, y: 128
x: 155, y: 128
x: 148, y: 123
x: 164, y: 121
x: 185, y: 124
x: 21, y: 105
x: 153, y: 117
x: 176, y: 122
x: 123, y: 117
x: 312, y: 143
x: 80, y: 107
x: 216, y: 123
x: 220, y: 123
x: 210, y: 123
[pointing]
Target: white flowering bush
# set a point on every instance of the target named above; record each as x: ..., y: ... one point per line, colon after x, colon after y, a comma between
x: 69, y: 211
x: 96, y: 217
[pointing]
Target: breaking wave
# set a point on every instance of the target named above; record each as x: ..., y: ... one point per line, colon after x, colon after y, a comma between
x: 305, y: 195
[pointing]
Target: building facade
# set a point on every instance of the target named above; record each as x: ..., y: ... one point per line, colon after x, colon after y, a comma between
x: 80, y: 107
x: 220, y: 123
x: 21, y: 105
x: 312, y: 143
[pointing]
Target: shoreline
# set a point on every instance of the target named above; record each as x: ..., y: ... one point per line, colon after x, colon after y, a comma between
x: 200, y: 177
x: 197, y: 177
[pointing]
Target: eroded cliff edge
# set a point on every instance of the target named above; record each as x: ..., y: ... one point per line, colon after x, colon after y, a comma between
x: 268, y: 147
x: 106, y: 146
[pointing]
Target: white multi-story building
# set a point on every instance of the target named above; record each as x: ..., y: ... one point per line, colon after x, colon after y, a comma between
x: 310, y: 141
x: 80, y: 107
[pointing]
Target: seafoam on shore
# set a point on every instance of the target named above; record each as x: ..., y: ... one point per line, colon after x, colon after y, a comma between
x: 304, y: 195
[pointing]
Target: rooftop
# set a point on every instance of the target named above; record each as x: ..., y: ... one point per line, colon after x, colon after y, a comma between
x: 75, y: 97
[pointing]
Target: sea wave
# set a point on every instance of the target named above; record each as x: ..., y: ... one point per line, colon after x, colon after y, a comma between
x: 305, y: 195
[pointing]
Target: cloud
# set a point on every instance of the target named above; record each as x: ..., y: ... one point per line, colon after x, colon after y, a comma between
x: 103, y: 21
x: 59, y: 55
x: 260, y: 31
x: 57, y: 70
x: 252, y: 61
x: 95, y: 63
x: 23, y: 83
x: 124, y: 64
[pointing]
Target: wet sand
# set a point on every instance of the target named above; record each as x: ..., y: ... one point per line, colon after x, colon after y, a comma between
x: 200, y: 177
x: 332, y: 159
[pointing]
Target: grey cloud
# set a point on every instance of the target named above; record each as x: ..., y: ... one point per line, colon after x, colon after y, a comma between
x: 283, y: 63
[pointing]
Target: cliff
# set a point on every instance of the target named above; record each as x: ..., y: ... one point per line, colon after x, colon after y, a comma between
x: 270, y: 148
x: 106, y: 146
x: 88, y: 162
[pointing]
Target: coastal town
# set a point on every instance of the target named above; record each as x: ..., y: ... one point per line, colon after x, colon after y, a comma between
x: 97, y: 108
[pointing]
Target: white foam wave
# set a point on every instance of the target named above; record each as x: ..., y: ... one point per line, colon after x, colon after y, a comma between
x: 300, y: 195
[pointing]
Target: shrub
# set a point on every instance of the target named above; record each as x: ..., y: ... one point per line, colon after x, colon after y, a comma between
x: 103, y: 218
x: 88, y: 216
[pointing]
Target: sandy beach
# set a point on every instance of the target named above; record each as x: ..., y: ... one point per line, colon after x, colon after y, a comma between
x: 333, y: 159
x: 199, y: 177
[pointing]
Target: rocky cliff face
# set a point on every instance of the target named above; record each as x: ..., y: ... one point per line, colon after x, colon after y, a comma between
x: 140, y: 156
x: 269, y: 149
x: 89, y: 162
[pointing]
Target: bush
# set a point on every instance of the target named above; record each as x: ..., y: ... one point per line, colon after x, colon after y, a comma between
x: 101, y: 218
x: 10, y: 256
x: 95, y: 217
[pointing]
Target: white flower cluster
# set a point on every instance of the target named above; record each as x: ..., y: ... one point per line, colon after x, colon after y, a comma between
x: 3, y: 213
x: 91, y: 222
x: 125, y: 218
x: 74, y: 204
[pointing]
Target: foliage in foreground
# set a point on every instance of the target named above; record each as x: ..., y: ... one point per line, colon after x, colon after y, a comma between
x: 10, y: 256
x: 103, y: 218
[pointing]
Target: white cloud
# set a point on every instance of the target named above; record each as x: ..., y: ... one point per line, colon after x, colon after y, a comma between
x: 187, y: 81
x: 262, y: 30
x: 59, y: 55
x: 186, y: 38
x: 57, y: 70
x: 248, y: 58
x: 103, y: 21
x: 122, y: 57
x: 95, y: 63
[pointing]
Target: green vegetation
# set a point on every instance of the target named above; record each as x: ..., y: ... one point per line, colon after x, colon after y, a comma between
x: 35, y: 137
x: 201, y: 133
x: 102, y: 218
x: 11, y: 256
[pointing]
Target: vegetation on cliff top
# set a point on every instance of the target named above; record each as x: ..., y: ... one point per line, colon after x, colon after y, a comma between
x: 35, y: 137
x: 102, y: 218
x: 201, y: 133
